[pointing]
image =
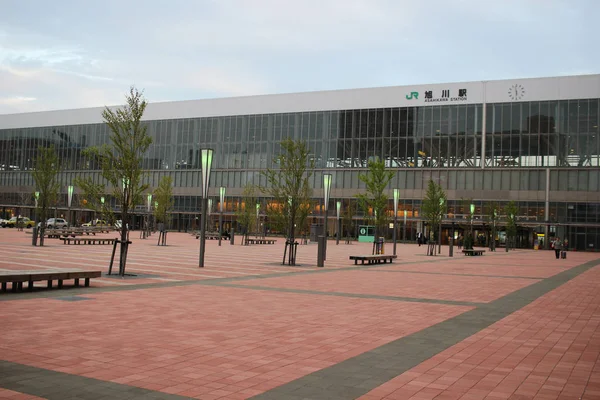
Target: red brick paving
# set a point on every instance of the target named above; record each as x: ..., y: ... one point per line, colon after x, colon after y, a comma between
x: 532, y: 354
x: 217, y: 342
x: 199, y: 339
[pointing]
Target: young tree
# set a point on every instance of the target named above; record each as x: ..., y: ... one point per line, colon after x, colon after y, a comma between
x: 121, y: 161
x: 511, y: 210
x: 45, y: 175
x: 492, y: 213
x: 348, y: 212
x: 288, y: 185
x: 246, y: 211
x: 163, y: 195
x: 433, y: 207
x: 375, y: 198
x: 467, y: 228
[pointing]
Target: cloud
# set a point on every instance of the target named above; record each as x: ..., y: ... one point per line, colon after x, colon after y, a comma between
x: 15, y: 100
x: 70, y: 54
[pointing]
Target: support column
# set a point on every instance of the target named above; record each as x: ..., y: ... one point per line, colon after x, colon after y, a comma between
x: 547, y: 212
x: 483, y: 125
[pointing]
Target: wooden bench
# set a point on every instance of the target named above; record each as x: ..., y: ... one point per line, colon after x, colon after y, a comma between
x: 260, y: 241
x: 16, y: 278
x: 212, y: 235
x: 82, y: 240
x: 374, y: 258
x: 473, y: 252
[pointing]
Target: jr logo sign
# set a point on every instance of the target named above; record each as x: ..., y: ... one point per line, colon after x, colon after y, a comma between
x: 412, y: 95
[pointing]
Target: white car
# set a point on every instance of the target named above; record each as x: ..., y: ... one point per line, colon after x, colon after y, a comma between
x: 56, y: 223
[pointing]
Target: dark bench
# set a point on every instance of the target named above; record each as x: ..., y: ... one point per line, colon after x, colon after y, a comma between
x: 83, y: 240
x: 16, y: 278
x: 212, y: 235
x: 473, y: 252
x: 260, y: 241
x: 374, y: 258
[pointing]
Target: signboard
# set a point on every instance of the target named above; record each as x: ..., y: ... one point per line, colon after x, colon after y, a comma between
x: 366, y: 233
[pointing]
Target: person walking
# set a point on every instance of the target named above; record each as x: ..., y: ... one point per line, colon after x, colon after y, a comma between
x: 557, y: 247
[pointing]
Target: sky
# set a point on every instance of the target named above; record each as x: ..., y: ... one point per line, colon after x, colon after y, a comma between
x: 64, y: 54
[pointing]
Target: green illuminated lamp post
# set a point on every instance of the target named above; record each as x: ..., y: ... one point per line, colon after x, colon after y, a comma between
x: 338, y: 208
x: 472, y: 237
x: 206, y: 163
x: 257, y: 220
x: 440, y: 227
x: 221, y: 200
x: 396, y: 198
x: 69, y: 200
x: 326, y: 192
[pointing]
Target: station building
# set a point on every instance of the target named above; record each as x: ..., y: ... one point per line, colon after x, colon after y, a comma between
x: 534, y: 141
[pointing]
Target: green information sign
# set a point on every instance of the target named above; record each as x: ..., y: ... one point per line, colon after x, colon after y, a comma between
x: 366, y: 233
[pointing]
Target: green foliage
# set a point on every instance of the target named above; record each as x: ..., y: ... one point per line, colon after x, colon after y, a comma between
x: 163, y: 195
x: 288, y: 185
x: 120, y: 161
x: 92, y: 194
x: 375, y: 197
x: 511, y: 210
x: 492, y: 211
x: 434, y: 206
x: 45, y: 176
x: 348, y: 212
x: 246, y: 210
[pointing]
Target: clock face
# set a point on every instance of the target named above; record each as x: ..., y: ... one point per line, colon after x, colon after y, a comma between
x: 516, y: 92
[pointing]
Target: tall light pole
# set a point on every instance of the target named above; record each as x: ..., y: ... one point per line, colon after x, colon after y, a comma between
x: 440, y: 228
x: 37, y: 199
x: 338, y: 209
x: 472, y: 237
x: 221, y: 200
x: 102, y: 207
x: 149, y: 199
x: 209, y: 214
x: 326, y: 193
x: 404, y: 228
x: 206, y: 163
x: 257, y: 219
x: 494, y: 231
x: 396, y: 198
x: 69, y: 200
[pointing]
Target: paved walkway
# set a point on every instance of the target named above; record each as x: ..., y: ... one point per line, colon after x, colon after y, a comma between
x: 519, y: 325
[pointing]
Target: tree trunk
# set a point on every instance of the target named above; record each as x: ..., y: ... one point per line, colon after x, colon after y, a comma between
x: 123, y: 250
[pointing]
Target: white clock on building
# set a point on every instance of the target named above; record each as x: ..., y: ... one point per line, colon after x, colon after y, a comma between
x: 516, y: 92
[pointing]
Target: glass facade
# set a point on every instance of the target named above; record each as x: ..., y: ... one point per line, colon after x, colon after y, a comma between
x: 473, y: 150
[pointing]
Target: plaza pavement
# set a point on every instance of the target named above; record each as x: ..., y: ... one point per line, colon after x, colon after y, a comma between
x: 517, y: 325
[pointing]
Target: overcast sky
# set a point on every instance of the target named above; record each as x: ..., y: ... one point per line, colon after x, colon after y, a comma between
x: 73, y: 53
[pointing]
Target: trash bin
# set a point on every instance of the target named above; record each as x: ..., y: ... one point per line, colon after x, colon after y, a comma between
x: 378, y: 245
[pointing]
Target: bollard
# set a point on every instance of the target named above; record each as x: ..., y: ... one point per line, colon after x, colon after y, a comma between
x: 34, y: 238
x: 320, y: 251
x: 451, y: 248
x: 231, y: 239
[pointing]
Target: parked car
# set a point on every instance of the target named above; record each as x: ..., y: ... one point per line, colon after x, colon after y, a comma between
x: 24, y: 221
x: 56, y: 223
x: 96, y: 222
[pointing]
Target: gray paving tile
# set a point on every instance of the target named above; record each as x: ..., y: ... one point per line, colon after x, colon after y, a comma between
x: 54, y: 385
